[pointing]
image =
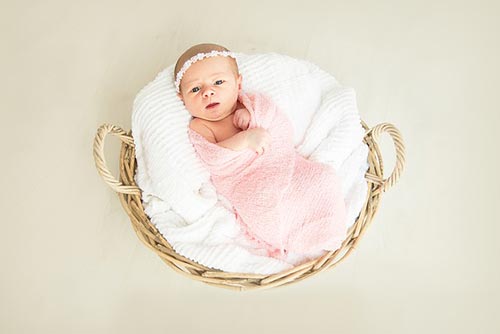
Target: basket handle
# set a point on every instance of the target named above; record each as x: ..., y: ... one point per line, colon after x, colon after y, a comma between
x: 376, y: 131
x: 100, y: 162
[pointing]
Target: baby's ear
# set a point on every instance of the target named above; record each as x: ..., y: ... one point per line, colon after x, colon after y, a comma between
x: 179, y: 95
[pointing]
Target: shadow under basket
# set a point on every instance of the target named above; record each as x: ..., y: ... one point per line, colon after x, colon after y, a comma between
x: 130, y: 197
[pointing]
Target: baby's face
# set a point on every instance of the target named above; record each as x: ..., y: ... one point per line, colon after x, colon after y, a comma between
x: 210, y: 81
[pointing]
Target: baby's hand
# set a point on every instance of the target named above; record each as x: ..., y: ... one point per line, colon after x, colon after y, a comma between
x: 241, y: 119
x: 258, y: 139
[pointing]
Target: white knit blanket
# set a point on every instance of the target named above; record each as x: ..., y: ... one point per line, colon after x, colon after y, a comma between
x: 177, y: 193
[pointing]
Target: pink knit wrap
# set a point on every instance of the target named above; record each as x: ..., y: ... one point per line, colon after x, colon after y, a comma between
x: 284, y: 202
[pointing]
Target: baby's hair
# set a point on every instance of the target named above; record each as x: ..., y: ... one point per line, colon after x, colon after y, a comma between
x: 203, y: 48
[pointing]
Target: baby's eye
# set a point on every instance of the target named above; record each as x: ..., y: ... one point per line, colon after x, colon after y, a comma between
x: 219, y: 82
x: 195, y: 89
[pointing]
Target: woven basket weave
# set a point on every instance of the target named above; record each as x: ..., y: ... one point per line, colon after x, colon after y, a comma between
x: 130, y: 197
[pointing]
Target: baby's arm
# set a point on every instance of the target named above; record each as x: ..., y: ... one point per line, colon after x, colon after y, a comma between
x: 237, y: 142
x: 257, y: 139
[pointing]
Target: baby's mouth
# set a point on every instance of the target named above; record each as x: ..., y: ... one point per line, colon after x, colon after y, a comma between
x: 211, y: 105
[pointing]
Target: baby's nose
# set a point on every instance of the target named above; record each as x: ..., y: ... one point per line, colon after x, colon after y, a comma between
x: 208, y: 92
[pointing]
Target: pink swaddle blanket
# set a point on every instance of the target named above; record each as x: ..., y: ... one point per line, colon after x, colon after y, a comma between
x: 283, y: 202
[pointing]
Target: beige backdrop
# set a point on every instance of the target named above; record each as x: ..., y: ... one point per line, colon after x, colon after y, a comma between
x: 70, y: 260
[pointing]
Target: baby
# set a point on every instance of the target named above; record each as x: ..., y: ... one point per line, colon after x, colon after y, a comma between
x: 284, y: 202
x: 209, y: 88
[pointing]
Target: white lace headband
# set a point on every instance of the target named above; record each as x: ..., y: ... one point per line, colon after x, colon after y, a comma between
x: 194, y: 59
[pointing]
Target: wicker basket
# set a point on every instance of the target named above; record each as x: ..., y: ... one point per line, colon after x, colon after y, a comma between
x: 130, y: 197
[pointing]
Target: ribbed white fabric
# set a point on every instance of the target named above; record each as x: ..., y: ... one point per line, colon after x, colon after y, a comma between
x: 177, y: 193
